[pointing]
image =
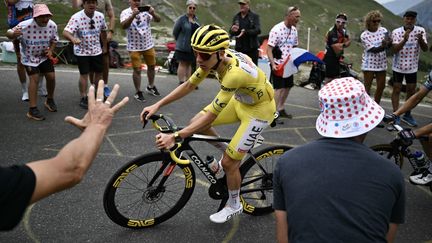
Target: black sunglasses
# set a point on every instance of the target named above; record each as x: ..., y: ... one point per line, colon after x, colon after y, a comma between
x: 192, y: 8
x: 92, y: 24
x: 376, y: 21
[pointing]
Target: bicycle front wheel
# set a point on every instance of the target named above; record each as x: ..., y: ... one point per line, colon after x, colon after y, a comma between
x: 257, y: 184
x: 148, y: 190
x: 387, y: 151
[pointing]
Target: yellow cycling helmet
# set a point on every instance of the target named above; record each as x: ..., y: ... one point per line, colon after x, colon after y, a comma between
x: 210, y: 39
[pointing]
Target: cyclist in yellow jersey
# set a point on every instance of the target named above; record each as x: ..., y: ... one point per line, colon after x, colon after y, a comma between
x: 245, y: 96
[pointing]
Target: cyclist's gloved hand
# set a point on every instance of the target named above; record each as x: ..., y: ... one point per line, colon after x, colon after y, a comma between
x: 407, y: 134
x: 389, y: 118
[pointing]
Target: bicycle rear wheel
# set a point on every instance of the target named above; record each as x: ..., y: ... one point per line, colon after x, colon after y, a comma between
x: 257, y: 184
x: 148, y: 190
x: 387, y: 151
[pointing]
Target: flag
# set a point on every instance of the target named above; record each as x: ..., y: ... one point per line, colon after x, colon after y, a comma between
x: 296, y: 57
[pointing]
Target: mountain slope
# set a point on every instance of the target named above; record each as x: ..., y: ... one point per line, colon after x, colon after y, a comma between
x: 398, y: 7
x: 424, y: 11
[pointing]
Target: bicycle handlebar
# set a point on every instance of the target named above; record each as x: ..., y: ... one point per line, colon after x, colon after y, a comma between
x: 405, y: 134
x: 170, y: 127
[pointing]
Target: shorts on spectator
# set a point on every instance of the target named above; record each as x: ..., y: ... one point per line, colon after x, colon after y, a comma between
x: 149, y: 57
x: 281, y: 83
x: 184, y: 56
x: 44, y: 67
x: 87, y: 64
x: 410, y: 78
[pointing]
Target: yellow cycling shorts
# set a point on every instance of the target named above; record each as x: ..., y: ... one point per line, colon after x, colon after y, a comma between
x: 253, y: 119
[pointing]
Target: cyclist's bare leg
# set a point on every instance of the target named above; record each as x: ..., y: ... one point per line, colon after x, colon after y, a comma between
x: 209, y: 130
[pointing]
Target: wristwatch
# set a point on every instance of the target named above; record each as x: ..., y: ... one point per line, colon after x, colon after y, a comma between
x: 177, y: 138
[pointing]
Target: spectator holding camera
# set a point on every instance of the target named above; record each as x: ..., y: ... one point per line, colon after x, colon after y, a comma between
x: 136, y: 21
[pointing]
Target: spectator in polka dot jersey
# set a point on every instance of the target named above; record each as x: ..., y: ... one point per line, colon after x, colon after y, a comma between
x: 136, y: 21
x: 37, y: 38
x: 407, y: 42
x: 86, y: 29
x: 375, y: 40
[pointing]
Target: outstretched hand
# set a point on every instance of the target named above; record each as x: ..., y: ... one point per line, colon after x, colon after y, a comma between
x: 99, y: 112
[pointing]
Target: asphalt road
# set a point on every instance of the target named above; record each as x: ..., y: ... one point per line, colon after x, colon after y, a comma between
x: 77, y: 215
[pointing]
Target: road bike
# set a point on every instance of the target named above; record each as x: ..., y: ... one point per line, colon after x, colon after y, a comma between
x: 153, y: 187
x: 399, y: 148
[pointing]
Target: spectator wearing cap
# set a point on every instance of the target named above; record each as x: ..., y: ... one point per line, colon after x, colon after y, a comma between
x: 246, y: 28
x: 375, y: 40
x: 37, y: 38
x: 407, y: 42
x: 86, y: 30
x: 184, y: 27
x: 283, y: 37
x: 336, y: 189
x: 337, y: 39
x: 18, y: 11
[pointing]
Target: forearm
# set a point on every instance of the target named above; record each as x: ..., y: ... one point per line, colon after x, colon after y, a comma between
x: 112, y: 19
x: 198, y: 125
x: 391, y: 234
x: 69, y: 36
x: 422, y: 131
x: 10, y: 34
x: 412, y: 101
x: 156, y: 17
x: 281, y: 226
x: 397, y: 47
x: 177, y: 93
x: 69, y: 166
x: 127, y: 23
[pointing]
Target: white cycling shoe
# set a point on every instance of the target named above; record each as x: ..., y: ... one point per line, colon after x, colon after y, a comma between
x: 225, y: 214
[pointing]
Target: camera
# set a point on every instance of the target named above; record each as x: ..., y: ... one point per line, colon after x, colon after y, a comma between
x: 145, y: 8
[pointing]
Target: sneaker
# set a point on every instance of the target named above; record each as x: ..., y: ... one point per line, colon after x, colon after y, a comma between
x: 282, y: 113
x: 225, y: 214
x: 42, y: 89
x: 25, y: 96
x: 409, y: 120
x: 421, y: 179
x: 84, y: 102
x: 139, y: 96
x: 107, y: 91
x: 35, y: 114
x: 310, y: 86
x: 50, y: 105
x: 153, y: 91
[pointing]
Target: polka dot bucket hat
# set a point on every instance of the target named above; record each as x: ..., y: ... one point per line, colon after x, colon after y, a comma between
x: 346, y: 109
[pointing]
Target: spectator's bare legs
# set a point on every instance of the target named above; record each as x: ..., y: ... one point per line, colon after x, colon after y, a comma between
x: 380, y: 80
x: 50, y: 84
x: 32, y: 89
x: 280, y: 98
x: 83, y: 84
x: 395, y: 95
x: 105, y: 67
x: 184, y: 71
x: 151, y: 75
x: 136, y: 77
x: 21, y: 74
x: 368, y: 79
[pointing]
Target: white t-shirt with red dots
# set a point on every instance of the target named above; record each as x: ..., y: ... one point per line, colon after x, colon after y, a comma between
x: 139, y: 33
x: 80, y: 26
x: 406, y: 60
x: 373, y: 61
x: 283, y: 37
x: 35, y: 40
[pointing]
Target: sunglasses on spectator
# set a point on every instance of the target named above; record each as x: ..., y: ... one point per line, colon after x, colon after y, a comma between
x: 376, y: 21
x: 203, y: 56
x: 138, y: 20
x: 192, y: 8
x: 340, y: 22
x: 92, y: 24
